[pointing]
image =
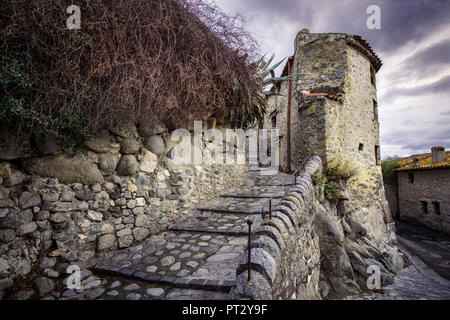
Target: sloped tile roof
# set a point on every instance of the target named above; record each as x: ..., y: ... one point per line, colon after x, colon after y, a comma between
x: 371, y: 55
x: 424, y: 162
x: 328, y: 95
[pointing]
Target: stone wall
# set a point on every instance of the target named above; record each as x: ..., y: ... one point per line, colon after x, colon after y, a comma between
x: 429, y: 187
x: 285, y: 248
x: 124, y: 187
x: 343, y: 124
x: 391, y: 192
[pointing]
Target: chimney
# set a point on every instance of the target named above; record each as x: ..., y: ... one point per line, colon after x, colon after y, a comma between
x: 438, y: 154
x: 304, y: 30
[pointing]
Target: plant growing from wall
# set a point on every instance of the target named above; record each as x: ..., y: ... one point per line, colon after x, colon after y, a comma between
x: 319, y: 180
x: 337, y: 170
x: 341, y: 169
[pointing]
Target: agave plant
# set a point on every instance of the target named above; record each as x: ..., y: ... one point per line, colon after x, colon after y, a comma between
x: 256, y: 109
x: 266, y: 76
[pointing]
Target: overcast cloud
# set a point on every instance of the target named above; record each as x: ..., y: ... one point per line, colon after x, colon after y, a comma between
x: 414, y: 44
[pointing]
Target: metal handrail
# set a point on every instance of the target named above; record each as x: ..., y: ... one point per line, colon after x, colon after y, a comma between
x: 304, y: 277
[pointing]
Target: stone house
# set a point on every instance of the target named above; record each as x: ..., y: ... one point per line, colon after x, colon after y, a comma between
x: 423, y: 189
x: 330, y: 108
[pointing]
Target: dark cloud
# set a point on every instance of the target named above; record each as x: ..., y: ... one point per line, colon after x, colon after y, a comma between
x: 428, y: 61
x: 438, y: 87
x: 404, y: 21
x: 413, y: 84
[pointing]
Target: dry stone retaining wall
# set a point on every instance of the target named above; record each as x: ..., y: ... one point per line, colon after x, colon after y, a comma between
x: 124, y: 187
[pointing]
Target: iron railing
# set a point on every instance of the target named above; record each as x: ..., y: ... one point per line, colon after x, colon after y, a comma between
x: 304, y: 277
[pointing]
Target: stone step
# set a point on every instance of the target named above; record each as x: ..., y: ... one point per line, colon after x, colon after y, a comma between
x: 257, y: 192
x: 183, y: 260
x: 220, y: 223
x: 252, y: 196
x: 243, y: 206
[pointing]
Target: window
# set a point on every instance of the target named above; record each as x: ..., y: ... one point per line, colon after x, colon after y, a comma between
x: 424, y: 207
x: 375, y: 110
x: 361, y: 147
x: 274, y: 121
x: 377, y: 155
x: 436, y: 208
x: 373, y: 76
x: 411, y: 177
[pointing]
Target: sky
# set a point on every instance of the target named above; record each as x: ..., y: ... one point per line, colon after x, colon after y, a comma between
x: 413, y: 43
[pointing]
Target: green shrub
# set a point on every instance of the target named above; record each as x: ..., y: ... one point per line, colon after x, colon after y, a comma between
x: 388, y: 167
x: 329, y: 187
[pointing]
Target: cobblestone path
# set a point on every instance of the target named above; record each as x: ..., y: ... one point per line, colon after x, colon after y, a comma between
x: 416, y: 282
x: 196, y: 259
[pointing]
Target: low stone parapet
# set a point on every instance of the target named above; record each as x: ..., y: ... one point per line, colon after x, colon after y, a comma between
x: 285, y: 249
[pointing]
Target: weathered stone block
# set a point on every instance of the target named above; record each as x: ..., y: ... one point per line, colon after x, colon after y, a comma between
x: 26, y: 229
x: 262, y: 262
x: 29, y: 200
x: 148, y: 162
x: 67, y: 206
x: 258, y: 288
x: 43, y: 285
x: 106, y: 241
x: 7, y: 235
x: 273, y: 233
x: 140, y: 233
x: 125, y: 241
x: 67, y: 169
x: 129, y: 146
x: 155, y: 144
x: 127, y: 166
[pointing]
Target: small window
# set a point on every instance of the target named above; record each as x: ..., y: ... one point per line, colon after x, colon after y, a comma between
x: 424, y: 207
x: 373, y: 76
x: 411, y: 177
x: 375, y: 110
x: 377, y: 155
x: 437, y: 208
x: 274, y: 121
x: 361, y: 147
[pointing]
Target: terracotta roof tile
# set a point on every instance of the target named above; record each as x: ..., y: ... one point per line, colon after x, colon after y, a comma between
x: 328, y: 95
x: 423, y: 162
x: 377, y: 63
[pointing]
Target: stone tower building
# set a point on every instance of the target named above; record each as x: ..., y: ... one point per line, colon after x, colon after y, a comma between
x: 330, y: 109
x: 333, y: 100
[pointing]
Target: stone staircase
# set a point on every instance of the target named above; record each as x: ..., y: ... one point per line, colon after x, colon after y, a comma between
x: 197, y: 258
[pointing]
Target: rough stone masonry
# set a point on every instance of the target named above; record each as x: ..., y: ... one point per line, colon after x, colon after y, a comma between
x: 61, y: 209
x: 334, y: 114
x: 123, y: 189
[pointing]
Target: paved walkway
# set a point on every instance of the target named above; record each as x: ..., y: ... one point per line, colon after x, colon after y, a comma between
x: 433, y: 247
x: 428, y: 276
x: 196, y: 259
x: 416, y: 282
